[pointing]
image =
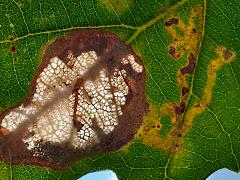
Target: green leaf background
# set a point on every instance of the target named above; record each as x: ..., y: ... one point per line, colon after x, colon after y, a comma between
x: 213, y: 141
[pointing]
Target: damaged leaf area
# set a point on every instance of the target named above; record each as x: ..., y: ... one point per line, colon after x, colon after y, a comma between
x: 148, y: 89
x: 181, y: 118
x: 87, y: 97
x: 187, y: 43
x: 150, y: 130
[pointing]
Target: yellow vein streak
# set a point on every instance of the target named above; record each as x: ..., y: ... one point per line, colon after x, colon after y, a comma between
x: 155, y: 20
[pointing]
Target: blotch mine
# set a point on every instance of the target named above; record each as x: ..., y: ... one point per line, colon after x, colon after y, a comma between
x: 87, y: 97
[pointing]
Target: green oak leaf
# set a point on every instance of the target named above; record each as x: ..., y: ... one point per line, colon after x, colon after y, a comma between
x: 212, y: 139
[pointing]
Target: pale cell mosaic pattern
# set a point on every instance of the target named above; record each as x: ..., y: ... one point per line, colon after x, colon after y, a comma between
x: 51, y: 110
x: 130, y: 59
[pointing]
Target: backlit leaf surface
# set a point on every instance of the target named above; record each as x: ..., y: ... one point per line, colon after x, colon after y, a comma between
x: 210, y: 142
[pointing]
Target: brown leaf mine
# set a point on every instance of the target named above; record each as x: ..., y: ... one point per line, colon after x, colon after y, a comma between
x: 87, y: 97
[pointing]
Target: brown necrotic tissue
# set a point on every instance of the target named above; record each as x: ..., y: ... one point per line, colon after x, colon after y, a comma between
x: 87, y: 97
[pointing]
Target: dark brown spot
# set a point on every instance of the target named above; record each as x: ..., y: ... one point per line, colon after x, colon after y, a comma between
x: 227, y: 54
x: 11, y: 39
x: 171, y: 22
x: 185, y: 90
x: 197, y: 105
x: 172, y: 51
x: 180, y: 109
x: 191, y: 65
x: 78, y: 125
x: 13, y: 49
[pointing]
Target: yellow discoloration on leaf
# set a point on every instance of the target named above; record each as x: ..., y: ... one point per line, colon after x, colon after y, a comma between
x: 167, y: 109
x: 125, y: 148
x: 181, y: 80
x: 186, y: 39
x: 187, y: 43
x: 214, y: 66
x: 192, y: 33
x: 151, y: 120
x: 149, y: 128
x: 150, y: 134
x: 117, y: 6
x: 179, y: 129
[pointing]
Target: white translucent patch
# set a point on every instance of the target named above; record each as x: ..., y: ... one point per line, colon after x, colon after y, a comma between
x: 53, y: 107
x: 105, y: 105
x: 12, y: 120
x: 55, y: 123
x: 84, y: 61
x: 131, y: 60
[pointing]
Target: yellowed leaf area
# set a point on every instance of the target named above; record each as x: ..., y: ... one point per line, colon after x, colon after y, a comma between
x: 189, y: 42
